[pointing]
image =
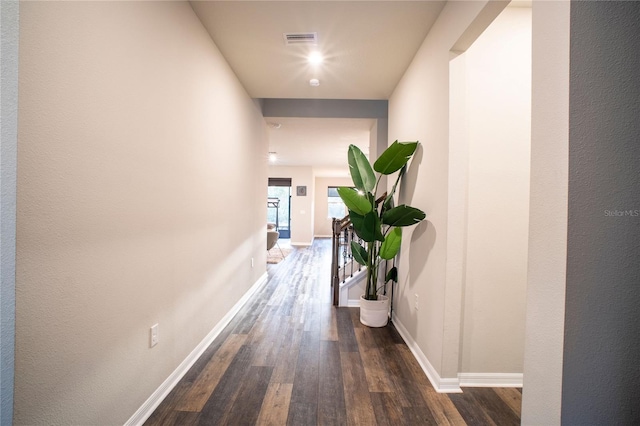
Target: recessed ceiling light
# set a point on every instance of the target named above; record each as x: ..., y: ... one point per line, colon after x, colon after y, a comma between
x: 315, y: 58
x: 314, y: 82
x: 273, y: 157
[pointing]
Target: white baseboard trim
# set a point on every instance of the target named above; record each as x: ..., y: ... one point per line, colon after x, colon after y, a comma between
x: 491, y: 380
x: 441, y: 385
x: 301, y: 244
x: 149, y: 406
x: 353, y: 303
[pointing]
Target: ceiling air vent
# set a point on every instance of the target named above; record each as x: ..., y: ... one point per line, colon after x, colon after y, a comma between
x: 300, y: 38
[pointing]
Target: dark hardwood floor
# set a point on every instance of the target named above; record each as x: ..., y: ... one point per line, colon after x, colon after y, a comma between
x: 291, y: 358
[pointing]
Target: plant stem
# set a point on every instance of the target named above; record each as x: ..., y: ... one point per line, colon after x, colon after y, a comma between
x: 370, y: 290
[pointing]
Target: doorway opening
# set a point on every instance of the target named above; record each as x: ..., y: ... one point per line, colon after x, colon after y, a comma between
x: 488, y: 223
x: 279, y: 205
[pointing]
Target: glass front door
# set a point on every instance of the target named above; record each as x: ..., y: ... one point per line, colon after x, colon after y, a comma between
x: 279, y: 212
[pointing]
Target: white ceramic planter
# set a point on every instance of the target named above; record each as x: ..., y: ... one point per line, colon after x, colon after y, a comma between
x: 374, y: 313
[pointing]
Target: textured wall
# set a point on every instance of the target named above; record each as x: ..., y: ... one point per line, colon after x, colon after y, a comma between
x: 601, y: 347
x: 547, y: 214
x: 141, y: 200
x: 8, y: 147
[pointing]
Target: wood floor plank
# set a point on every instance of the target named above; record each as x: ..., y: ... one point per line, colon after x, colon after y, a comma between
x: 251, y: 316
x: 440, y: 405
x: 304, y: 397
x: 355, y: 318
x: 331, y: 405
x: 289, y: 300
x: 248, y: 402
x: 298, y: 310
x: 206, y: 356
x: 261, y: 327
x: 404, y: 383
x: 470, y: 409
x: 268, y: 340
x: 203, y: 386
x: 375, y: 367
x: 346, y: 334
x: 412, y: 366
x: 387, y: 336
x: 313, y: 319
x: 357, y: 398
x: 287, y: 358
x: 165, y: 419
x: 268, y: 352
x: 223, y: 396
x: 387, y: 409
x: 494, y: 406
x: 329, y: 324
x: 302, y: 414
x: 275, y: 406
x: 186, y: 418
x: 512, y: 397
x: 442, y: 408
x: 417, y: 416
x: 165, y: 412
x: 365, y: 338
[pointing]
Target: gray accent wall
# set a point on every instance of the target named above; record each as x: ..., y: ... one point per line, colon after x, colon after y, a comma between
x: 325, y: 108
x: 601, y: 371
x: 8, y: 130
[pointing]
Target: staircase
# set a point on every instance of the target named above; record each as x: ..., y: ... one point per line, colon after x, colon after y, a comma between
x: 343, y: 265
x: 345, y: 271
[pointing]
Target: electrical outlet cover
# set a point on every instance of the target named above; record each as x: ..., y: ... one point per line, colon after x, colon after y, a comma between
x: 153, y: 335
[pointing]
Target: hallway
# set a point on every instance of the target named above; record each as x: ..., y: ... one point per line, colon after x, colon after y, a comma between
x: 290, y: 357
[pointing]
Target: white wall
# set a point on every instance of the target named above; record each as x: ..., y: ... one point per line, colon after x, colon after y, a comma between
x: 498, y: 128
x: 542, y: 391
x: 301, y: 206
x: 133, y: 206
x: 418, y: 110
x: 322, y: 222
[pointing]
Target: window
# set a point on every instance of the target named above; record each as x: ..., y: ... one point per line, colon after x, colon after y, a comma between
x: 336, y: 207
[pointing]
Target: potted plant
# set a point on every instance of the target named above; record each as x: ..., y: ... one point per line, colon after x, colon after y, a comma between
x: 380, y: 224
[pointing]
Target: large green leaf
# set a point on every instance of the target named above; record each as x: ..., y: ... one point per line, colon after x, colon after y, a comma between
x: 402, y: 215
x: 359, y: 253
x: 361, y: 172
x: 354, y: 200
x: 367, y: 226
x: 391, y: 244
x: 394, y: 157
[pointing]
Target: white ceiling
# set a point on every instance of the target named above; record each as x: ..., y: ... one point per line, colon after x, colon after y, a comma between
x: 318, y: 142
x: 367, y: 46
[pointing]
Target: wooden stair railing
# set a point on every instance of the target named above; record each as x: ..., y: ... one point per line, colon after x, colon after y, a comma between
x: 341, y: 257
